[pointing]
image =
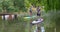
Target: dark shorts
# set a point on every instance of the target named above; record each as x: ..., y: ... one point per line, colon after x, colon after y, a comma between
x: 30, y: 11
x: 38, y: 14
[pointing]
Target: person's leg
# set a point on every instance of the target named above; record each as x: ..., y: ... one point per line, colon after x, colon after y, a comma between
x: 30, y: 13
x: 37, y: 14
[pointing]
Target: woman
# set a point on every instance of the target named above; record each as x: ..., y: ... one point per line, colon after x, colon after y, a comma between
x: 30, y: 10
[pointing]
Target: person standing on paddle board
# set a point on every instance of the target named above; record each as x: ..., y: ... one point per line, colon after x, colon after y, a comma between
x: 38, y: 11
x: 30, y: 10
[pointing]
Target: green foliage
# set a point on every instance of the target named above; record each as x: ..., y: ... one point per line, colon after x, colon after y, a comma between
x: 35, y: 2
x: 0, y: 9
x: 13, y: 5
x: 50, y: 19
x: 50, y: 4
x: 13, y: 9
x: 27, y: 4
x: 23, y: 5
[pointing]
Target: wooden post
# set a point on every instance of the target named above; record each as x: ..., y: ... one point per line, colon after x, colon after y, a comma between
x: 3, y: 17
x: 15, y: 16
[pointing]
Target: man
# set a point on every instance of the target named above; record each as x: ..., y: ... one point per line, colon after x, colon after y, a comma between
x: 38, y: 11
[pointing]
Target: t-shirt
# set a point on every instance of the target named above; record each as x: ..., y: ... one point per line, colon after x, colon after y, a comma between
x: 30, y: 9
x: 38, y: 9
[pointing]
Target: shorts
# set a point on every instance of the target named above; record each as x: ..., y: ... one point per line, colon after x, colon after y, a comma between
x: 38, y: 14
x: 30, y: 11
